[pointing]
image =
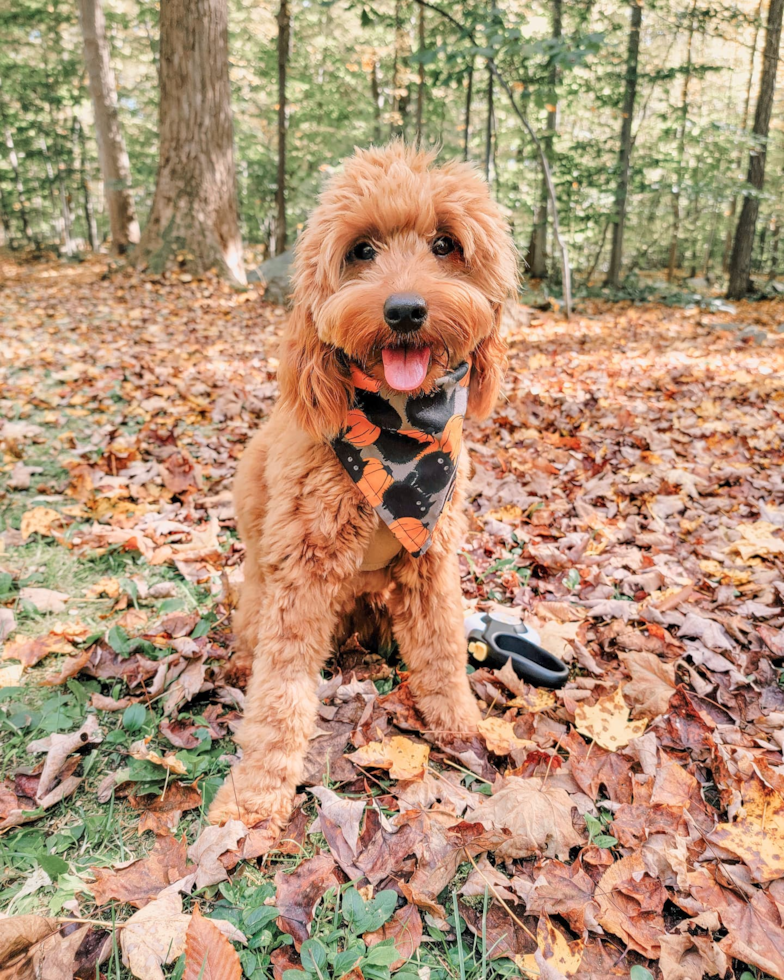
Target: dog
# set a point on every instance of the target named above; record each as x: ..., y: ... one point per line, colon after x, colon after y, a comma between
x: 349, y: 499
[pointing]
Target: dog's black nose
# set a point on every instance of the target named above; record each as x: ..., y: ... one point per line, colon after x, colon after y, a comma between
x: 405, y: 312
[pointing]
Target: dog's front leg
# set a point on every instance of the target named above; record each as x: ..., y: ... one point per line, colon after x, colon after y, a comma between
x: 297, y: 619
x: 428, y: 626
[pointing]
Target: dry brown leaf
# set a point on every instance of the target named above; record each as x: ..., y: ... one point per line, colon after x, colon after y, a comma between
x: 499, y: 736
x: 404, y: 759
x: 208, y: 953
x: 161, y: 814
x: 103, y: 587
x: 652, y: 684
x: 44, y: 600
x: 206, y: 850
x: 607, y: 722
x: 11, y: 675
x: 346, y: 814
x: 756, y: 539
x: 21, y: 937
x: 142, y: 880
x: 140, y: 751
x: 630, y: 904
x: 58, y: 747
x: 155, y: 935
x: 538, y: 815
x: 405, y: 927
x: 299, y: 892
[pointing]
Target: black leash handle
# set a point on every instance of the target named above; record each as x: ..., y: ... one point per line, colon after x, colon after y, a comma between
x: 500, y: 639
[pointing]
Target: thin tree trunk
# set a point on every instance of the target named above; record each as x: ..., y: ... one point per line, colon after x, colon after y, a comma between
x: 80, y: 165
x: 13, y: 159
x: 399, y: 92
x: 624, y: 157
x: 115, y: 165
x: 284, y: 26
x: 740, y: 263
x: 194, y: 212
x: 537, y: 249
x: 684, y: 115
x: 489, y: 128
x: 725, y: 262
x: 375, y: 95
x: 774, y: 249
x: 467, y: 117
x: 420, y: 105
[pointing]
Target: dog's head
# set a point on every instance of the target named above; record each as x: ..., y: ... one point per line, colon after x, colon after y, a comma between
x: 402, y: 269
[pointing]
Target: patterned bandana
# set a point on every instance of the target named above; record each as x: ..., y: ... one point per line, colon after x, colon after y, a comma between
x: 402, y: 452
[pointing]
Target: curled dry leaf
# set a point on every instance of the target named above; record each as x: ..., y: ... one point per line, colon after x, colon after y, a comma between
x: 299, y: 892
x: 40, y: 520
x: 208, y: 953
x: 499, y: 736
x: 161, y: 814
x: 607, y: 722
x: 404, y: 759
x: 21, y: 937
x: 346, y: 814
x: 140, y: 751
x: 141, y: 881
x: 630, y: 904
x: 58, y: 747
x: 555, y: 949
x: 652, y: 684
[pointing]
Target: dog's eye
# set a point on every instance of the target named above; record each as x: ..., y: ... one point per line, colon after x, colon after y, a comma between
x: 362, y: 252
x: 444, y: 245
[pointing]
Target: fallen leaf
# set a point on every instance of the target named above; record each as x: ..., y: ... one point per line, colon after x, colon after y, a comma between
x: 7, y: 623
x: 756, y: 539
x: 58, y: 747
x: 555, y: 949
x: 161, y: 814
x: 404, y: 759
x: 40, y: 520
x: 630, y: 904
x: 169, y: 762
x: 44, y: 600
x: 538, y: 815
x: 11, y: 675
x: 757, y: 835
x: 208, y: 954
x: 607, y: 722
x: 299, y: 892
x: 140, y: 881
x: 346, y: 814
x: 499, y: 736
x: 652, y: 684
x: 206, y: 850
x: 21, y: 937
x: 405, y: 928
x: 155, y: 935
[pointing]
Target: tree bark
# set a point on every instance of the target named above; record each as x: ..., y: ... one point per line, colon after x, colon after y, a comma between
x: 115, y: 165
x: 725, y: 262
x: 375, y: 95
x: 624, y: 156
x: 284, y: 26
x: 194, y: 212
x: 80, y: 164
x: 467, y: 117
x: 489, y: 129
x: 420, y: 104
x: 681, y: 144
x: 537, y: 249
x: 740, y: 263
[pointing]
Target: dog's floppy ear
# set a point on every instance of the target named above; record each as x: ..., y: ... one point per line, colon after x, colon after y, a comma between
x: 313, y: 384
x: 488, y: 363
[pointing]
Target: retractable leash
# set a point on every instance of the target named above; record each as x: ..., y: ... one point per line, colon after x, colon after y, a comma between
x: 494, y: 638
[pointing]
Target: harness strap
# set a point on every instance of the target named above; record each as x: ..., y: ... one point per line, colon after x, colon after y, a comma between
x: 382, y: 549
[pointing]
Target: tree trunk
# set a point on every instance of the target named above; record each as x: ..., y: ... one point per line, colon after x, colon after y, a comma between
x: 740, y: 263
x: 115, y: 165
x: 284, y: 25
x: 194, y: 211
x: 725, y: 262
x: 624, y: 157
x: 537, y: 249
x: 774, y: 249
x: 489, y: 128
x: 467, y: 117
x: 375, y: 95
x: 684, y: 115
x: 21, y: 200
x: 80, y: 164
x: 420, y: 105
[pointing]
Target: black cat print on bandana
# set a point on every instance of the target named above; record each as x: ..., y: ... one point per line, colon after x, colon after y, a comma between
x: 402, y: 452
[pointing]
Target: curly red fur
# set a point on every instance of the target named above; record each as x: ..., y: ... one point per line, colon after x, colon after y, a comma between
x: 305, y: 524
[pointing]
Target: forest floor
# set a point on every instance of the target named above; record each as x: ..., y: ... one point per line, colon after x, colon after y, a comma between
x: 628, y: 501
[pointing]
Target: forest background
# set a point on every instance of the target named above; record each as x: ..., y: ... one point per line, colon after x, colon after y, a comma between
x: 649, y: 117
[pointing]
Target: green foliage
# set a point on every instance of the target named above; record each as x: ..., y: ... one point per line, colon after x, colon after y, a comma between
x: 344, y: 51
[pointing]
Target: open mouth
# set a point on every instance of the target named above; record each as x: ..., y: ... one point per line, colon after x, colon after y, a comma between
x: 405, y: 368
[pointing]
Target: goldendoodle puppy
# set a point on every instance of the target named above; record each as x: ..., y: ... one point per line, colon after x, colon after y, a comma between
x: 352, y: 492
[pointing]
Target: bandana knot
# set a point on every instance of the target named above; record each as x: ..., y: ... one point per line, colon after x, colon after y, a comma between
x: 402, y: 452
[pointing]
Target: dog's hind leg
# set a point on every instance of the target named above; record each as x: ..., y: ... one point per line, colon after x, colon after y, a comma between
x: 427, y: 619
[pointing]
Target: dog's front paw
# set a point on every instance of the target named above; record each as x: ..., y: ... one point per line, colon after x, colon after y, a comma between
x: 270, y: 808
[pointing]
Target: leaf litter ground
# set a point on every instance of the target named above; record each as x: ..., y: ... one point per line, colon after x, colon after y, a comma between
x: 627, y: 501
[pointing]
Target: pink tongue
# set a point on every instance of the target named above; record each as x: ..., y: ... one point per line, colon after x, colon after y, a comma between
x: 405, y: 368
